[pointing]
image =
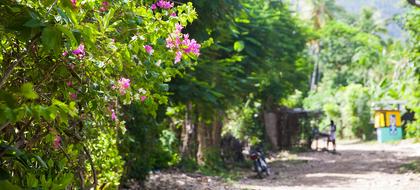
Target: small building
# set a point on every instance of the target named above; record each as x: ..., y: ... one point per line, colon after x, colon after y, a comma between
x: 283, y: 126
x: 388, y: 125
x: 387, y: 120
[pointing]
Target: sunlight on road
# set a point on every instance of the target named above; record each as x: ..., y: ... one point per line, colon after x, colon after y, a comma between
x: 356, y: 166
x: 357, y: 176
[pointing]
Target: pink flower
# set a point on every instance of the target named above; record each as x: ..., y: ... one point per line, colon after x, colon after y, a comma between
x: 80, y: 51
x: 73, y: 96
x: 149, y: 49
x: 164, y: 4
x: 191, y: 46
x: 65, y: 54
x: 173, y: 14
x: 123, y: 85
x: 104, y: 7
x: 178, y: 28
x: 178, y: 57
x: 169, y: 43
x: 153, y: 7
x: 143, y: 98
x: 73, y: 2
x: 181, y: 43
x: 113, y: 115
x: 57, y: 142
x: 69, y: 83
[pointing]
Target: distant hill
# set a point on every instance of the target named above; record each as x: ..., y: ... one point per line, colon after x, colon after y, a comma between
x: 386, y: 8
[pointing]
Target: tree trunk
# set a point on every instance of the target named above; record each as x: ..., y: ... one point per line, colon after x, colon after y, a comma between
x: 187, y: 131
x: 202, y: 141
x: 270, y: 123
x: 216, y: 130
x: 315, y: 74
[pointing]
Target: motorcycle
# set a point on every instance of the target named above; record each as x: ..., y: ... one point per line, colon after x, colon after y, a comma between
x: 260, y: 165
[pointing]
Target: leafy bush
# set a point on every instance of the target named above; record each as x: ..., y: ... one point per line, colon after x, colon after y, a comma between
x: 68, y: 70
x: 145, y: 146
x: 355, y: 111
x: 244, y: 123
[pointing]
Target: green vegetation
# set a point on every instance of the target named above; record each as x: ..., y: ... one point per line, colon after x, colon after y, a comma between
x: 96, y: 93
x: 413, y: 166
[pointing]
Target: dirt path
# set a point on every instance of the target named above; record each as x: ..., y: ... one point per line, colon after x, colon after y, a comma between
x: 357, y: 166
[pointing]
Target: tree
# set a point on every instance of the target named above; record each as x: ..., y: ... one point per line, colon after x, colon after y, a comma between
x: 68, y: 69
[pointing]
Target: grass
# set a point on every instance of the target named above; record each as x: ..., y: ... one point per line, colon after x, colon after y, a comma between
x: 226, y: 173
x: 413, y: 166
x: 298, y: 149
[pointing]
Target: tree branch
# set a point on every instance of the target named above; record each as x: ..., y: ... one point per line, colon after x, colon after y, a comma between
x: 95, y: 179
x: 4, y: 126
x: 9, y: 71
x: 20, y: 59
x: 49, y: 9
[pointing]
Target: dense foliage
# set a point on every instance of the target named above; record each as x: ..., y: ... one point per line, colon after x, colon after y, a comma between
x: 96, y: 94
x: 360, y: 64
x: 68, y: 69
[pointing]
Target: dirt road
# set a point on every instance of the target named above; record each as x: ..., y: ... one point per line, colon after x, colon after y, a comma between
x: 356, y: 166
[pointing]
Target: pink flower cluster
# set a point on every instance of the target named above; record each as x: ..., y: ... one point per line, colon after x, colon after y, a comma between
x: 57, y: 142
x: 113, y: 115
x: 143, y: 98
x: 73, y: 96
x: 73, y: 2
x: 164, y: 4
x: 149, y: 49
x: 123, y: 85
x: 153, y: 6
x: 79, y: 52
x: 182, y: 43
x: 105, y: 6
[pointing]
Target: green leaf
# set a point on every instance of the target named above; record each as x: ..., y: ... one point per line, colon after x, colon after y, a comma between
x: 4, y: 175
x: 63, y: 16
x: 31, y: 180
x: 66, y: 180
x: 5, y: 184
x: 67, y: 32
x: 239, y: 46
x: 51, y: 38
x: 28, y: 91
x: 41, y: 161
x: 33, y: 23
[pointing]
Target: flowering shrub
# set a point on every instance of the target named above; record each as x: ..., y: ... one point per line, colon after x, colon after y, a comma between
x: 79, y: 62
x: 181, y: 44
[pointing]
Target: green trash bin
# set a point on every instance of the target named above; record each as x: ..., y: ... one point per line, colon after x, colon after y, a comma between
x: 386, y: 134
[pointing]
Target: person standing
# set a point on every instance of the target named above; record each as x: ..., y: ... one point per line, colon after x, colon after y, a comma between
x: 331, y: 138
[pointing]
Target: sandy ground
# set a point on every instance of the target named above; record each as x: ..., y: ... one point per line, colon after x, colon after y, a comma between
x: 355, y: 166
